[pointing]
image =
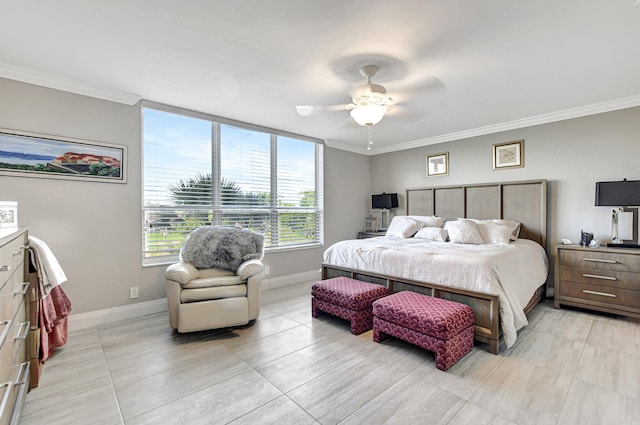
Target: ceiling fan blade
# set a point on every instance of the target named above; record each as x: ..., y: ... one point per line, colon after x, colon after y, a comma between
x: 344, y: 107
x: 429, y: 86
x: 308, y: 110
x: 397, y: 109
x: 305, y: 110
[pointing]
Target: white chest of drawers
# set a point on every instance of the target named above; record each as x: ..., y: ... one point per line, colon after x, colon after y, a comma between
x: 14, y: 324
x: 603, y: 279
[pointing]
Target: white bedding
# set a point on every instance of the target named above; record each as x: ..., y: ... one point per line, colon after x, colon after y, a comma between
x: 513, y: 271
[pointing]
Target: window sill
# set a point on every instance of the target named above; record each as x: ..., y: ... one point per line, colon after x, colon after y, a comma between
x: 272, y: 250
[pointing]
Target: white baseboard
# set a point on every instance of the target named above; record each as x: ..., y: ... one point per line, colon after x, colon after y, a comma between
x: 291, y: 279
x: 109, y: 315
x: 114, y: 314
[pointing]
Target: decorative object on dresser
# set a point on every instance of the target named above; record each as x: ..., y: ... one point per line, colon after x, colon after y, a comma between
x: 8, y: 214
x: 14, y: 324
x: 624, y: 220
x: 602, y: 279
x: 585, y: 238
x: 384, y: 202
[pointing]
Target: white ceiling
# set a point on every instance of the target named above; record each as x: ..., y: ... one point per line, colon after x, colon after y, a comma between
x: 457, y: 68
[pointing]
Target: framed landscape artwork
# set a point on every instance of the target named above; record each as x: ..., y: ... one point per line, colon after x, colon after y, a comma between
x: 37, y: 155
x: 438, y: 165
x: 508, y: 155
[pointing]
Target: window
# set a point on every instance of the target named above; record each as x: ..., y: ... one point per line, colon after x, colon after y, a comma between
x: 202, y: 170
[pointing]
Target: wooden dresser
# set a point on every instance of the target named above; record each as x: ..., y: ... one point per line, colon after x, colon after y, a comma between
x: 603, y: 279
x: 14, y: 323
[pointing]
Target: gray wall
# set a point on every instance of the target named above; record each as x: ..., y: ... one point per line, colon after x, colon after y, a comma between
x: 95, y: 228
x: 572, y: 155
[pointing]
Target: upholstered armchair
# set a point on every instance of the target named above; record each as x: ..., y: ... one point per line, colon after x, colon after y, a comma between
x: 212, y: 298
x: 201, y: 296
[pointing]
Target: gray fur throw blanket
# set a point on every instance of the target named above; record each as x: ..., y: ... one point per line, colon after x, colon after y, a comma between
x: 221, y: 247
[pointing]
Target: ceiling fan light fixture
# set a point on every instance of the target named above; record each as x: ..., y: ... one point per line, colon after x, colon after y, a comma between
x: 368, y: 115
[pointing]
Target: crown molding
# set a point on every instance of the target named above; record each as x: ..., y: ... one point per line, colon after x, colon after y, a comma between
x: 582, y: 111
x: 41, y: 79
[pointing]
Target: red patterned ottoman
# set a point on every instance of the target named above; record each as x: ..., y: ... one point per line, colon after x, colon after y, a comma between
x: 347, y: 298
x: 442, y: 326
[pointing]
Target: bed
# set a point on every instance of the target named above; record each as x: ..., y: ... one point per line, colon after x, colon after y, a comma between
x: 501, y: 282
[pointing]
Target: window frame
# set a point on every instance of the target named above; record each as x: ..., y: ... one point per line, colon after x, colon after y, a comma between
x: 216, y: 206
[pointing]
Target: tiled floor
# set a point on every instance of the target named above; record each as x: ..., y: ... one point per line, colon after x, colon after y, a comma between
x: 568, y: 367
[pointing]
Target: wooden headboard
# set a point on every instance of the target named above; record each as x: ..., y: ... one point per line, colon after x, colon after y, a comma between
x: 523, y: 201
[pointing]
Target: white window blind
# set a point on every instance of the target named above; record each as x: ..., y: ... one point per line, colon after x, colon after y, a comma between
x: 298, y: 195
x: 199, y: 170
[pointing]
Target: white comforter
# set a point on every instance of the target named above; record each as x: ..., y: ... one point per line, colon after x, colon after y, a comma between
x: 513, y: 272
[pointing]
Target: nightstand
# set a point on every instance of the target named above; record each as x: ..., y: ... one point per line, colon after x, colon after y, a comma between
x: 603, y: 279
x: 366, y: 235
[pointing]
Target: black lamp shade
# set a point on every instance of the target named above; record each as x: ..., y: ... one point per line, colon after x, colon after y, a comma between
x: 618, y: 194
x: 384, y: 201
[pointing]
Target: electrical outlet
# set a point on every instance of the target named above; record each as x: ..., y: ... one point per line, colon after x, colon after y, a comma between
x: 267, y: 270
x: 133, y: 292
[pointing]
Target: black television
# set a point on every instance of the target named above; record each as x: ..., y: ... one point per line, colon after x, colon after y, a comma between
x: 384, y: 201
x: 622, y: 193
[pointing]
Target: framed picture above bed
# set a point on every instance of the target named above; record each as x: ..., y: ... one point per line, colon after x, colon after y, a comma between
x: 438, y: 165
x: 508, y: 155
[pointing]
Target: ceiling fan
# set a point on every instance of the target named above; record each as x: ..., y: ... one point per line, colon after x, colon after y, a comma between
x: 370, y: 101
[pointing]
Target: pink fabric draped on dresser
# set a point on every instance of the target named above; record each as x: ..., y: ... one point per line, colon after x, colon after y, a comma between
x: 54, y: 306
x: 54, y: 312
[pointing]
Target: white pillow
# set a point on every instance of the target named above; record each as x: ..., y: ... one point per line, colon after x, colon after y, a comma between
x: 513, y: 225
x: 494, y: 233
x: 463, y: 231
x: 403, y: 227
x: 428, y: 220
x: 432, y: 234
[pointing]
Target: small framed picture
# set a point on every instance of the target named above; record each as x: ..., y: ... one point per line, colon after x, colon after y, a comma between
x: 508, y: 155
x: 438, y: 165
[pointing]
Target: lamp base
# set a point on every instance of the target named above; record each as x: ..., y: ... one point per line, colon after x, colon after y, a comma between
x: 623, y: 245
x: 624, y: 227
x: 384, y: 214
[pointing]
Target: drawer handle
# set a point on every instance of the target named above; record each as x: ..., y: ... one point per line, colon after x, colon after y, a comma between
x: 5, y: 268
x: 5, y: 332
x: 23, y: 373
x: 5, y: 397
x: 23, y: 331
x: 22, y: 289
x: 597, y: 276
x: 604, y: 294
x: 19, y: 251
x: 598, y: 260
